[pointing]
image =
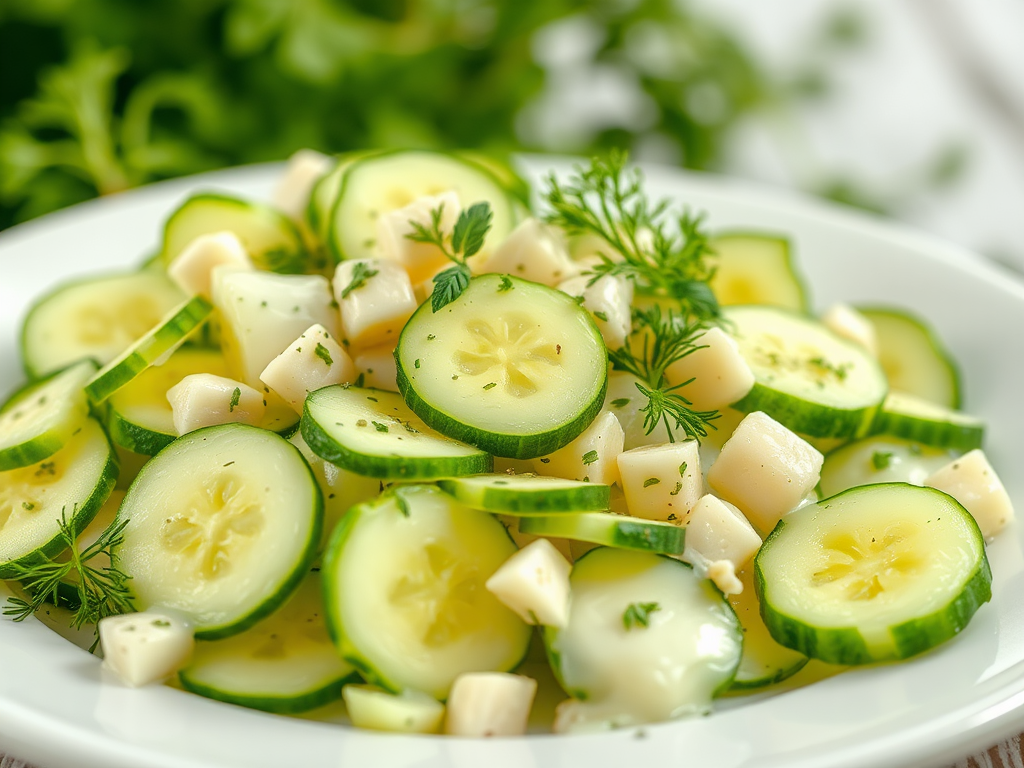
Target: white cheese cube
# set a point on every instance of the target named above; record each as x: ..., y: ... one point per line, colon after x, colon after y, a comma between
x: 661, y: 482
x: 143, y: 648
x: 765, y: 469
x: 533, y: 251
x: 971, y: 480
x: 419, y: 259
x: 376, y: 299
x: 718, y: 531
x: 845, y: 321
x: 720, y: 376
x: 312, y: 361
x: 407, y: 712
x: 203, y: 400
x: 378, y: 367
x: 609, y: 300
x: 192, y: 268
x: 489, y: 704
x: 591, y: 457
x: 534, y: 583
x: 262, y: 313
x: 304, y: 169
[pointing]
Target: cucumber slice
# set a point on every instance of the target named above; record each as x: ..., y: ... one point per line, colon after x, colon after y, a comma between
x: 917, y: 419
x: 222, y: 525
x: 527, y: 494
x: 388, y: 181
x: 271, y: 238
x: 647, y: 640
x: 325, y: 193
x: 881, y: 459
x: 286, y: 663
x: 372, y: 432
x: 404, y: 592
x: 756, y: 268
x: 96, y: 318
x: 610, y: 530
x: 806, y: 377
x: 764, y: 661
x: 502, y: 170
x: 914, y: 358
x: 161, y: 341
x: 408, y: 712
x: 37, y: 421
x: 74, y: 482
x: 513, y: 367
x: 139, y: 417
x: 854, y: 578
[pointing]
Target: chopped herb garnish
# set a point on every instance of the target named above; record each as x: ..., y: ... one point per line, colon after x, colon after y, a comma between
x: 602, y: 316
x: 491, y: 385
x: 416, y: 363
x: 324, y: 354
x: 360, y: 274
x: 620, y: 402
x: 380, y: 427
x: 675, y: 491
x: 638, y: 614
x: 506, y: 284
x: 466, y: 239
x: 881, y: 459
x: 589, y: 458
x: 651, y: 481
x: 682, y: 469
x: 235, y: 397
x: 28, y: 506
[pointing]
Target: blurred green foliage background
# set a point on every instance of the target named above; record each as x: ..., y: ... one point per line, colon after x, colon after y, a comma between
x: 100, y: 95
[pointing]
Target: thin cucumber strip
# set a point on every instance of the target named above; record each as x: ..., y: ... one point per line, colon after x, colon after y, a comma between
x: 527, y: 494
x: 286, y: 663
x: 372, y: 432
x: 516, y: 368
x: 271, y: 238
x: 97, y: 318
x: 879, y: 459
x: 914, y: 358
x: 647, y: 640
x: 756, y: 268
x: 161, y: 340
x: 404, y: 592
x: 610, y: 530
x: 222, y: 525
x: 854, y: 579
x: 73, y: 483
x: 139, y: 416
x: 920, y: 420
x: 806, y: 377
x: 764, y: 661
x: 38, y: 420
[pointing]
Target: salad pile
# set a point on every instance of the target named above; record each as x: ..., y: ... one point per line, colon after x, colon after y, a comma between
x: 403, y: 436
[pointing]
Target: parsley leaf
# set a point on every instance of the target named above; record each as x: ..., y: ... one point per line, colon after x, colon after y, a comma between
x: 589, y: 458
x: 651, y: 481
x: 235, y: 397
x: 448, y: 286
x: 638, y: 614
x: 881, y: 459
x: 324, y: 354
x: 506, y: 284
x: 471, y: 229
x: 360, y: 274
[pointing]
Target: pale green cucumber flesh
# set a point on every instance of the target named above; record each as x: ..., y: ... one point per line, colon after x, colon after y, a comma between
x: 920, y: 420
x: 97, y: 318
x: 610, y: 530
x: 527, y: 494
x: 756, y: 268
x: 38, y: 420
x: 879, y: 459
x: 271, y: 239
x: 373, y: 432
x: 73, y: 482
x: 853, y: 579
x: 222, y: 525
x: 513, y: 367
x: 806, y: 377
x: 404, y: 592
x: 286, y: 663
x: 162, y: 340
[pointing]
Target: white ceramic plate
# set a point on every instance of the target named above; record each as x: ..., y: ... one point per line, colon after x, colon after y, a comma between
x: 961, y: 698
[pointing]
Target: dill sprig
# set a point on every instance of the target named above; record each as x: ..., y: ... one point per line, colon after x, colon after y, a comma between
x: 608, y: 201
x: 102, y: 591
x: 665, y: 339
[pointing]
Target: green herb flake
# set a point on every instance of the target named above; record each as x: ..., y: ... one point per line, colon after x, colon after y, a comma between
x: 416, y: 363
x: 28, y: 506
x: 506, y: 284
x: 235, y: 397
x: 881, y: 459
x: 380, y: 427
x: 161, y: 623
x: 431, y: 337
x: 589, y: 458
x: 675, y: 491
x: 621, y: 402
x: 492, y: 385
x: 602, y: 316
x: 638, y: 614
x: 360, y: 274
x: 651, y: 481
x: 324, y: 354
x: 682, y: 469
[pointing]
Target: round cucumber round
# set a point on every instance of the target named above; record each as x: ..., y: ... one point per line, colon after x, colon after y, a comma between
x: 513, y: 367
x: 222, y: 525
x: 527, y: 494
x: 854, y: 579
x: 806, y: 377
x: 70, y: 485
x: 920, y: 420
x: 756, y: 268
x: 286, y: 663
x: 96, y: 318
x: 38, y: 420
x: 647, y: 640
x: 610, y: 530
x: 404, y: 592
x: 372, y: 432
x: 879, y: 459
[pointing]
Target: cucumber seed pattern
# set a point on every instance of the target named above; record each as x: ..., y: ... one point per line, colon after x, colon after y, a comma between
x: 22, y: 491
x: 510, y: 351
x: 863, y: 564
x: 438, y: 594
